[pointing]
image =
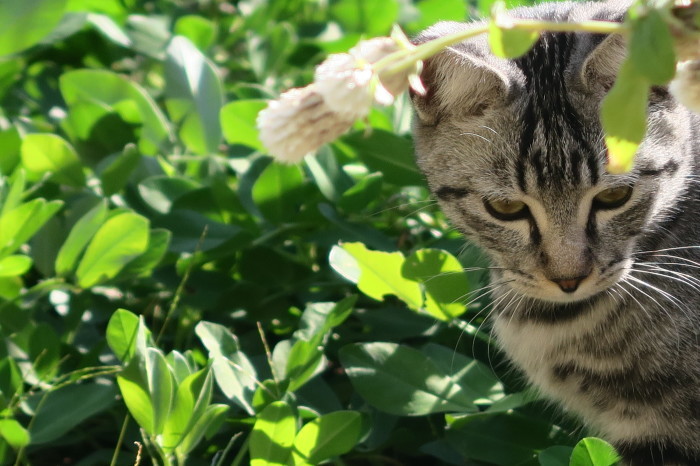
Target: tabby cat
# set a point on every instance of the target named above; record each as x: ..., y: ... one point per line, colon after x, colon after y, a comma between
x: 596, y: 276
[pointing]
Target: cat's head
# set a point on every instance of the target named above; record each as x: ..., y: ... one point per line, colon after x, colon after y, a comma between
x: 513, y: 150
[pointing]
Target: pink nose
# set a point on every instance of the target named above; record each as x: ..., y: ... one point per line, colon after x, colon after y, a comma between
x: 568, y: 285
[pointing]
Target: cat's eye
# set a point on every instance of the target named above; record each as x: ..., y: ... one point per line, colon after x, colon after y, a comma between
x: 504, y: 209
x: 612, y: 198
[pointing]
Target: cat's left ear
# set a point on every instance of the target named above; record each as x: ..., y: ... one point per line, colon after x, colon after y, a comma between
x: 602, y: 63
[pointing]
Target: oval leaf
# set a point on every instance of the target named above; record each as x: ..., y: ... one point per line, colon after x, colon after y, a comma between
x: 327, y: 436
x: 119, y: 239
x: 48, y: 153
x: 273, y: 435
x: 401, y: 380
x: 593, y: 451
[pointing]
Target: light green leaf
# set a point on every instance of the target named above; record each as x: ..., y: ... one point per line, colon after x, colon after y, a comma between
x: 624, y: 117
x: 199, y: 30
x: 327, y: 436
x: 194, y: 96
x: 119, y: 239
x: 593, y: 451
x: 13, y: 433
x: 116, y: 93
x: 273, y: 435
x: 278, y: 192
x: 21, y: 223
x: 401, y: 380
x: 192, y: 396
x: 78, y: 238
x: 510, y: 43
x: 651, y: 47
x: 134, y: 390
x: 238, y: 123
x: 376, y: 273
x: 160, y: 387
x: 48, y: 153
x: 122, y: 329
x: 442, y: 279
x: 13, y: 266
x: 205, y: 426
x: 24, y: 23
x: 371, y: 18
x: 143, y: 265
x: 234, y: 373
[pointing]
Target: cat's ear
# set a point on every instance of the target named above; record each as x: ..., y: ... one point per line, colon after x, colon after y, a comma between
x: 602, y: 64
x: 458, y: 82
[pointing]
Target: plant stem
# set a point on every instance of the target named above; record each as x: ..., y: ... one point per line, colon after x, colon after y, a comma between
x: 120, y: 440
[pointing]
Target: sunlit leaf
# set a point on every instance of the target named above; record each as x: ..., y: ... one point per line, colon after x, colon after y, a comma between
x: 273, y: 435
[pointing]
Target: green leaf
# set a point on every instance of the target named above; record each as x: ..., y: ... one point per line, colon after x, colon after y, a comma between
x: 134, y: 389
x: 160, y: 388
x: 503, y: 439
x: 510, y: 43
x: 78, y: 238
x: 388, y: 153
x: 651, y: 47
x: 593, y: 451
x: 192, y: 396
x: 273, y: 435
x: 13, y: 433
x: 48, y: 153
x: 115, y: 175
x: 366, y: 190
x: 555, y: 456
x: 12, y: 266
x: 119, y: 239
x: 401, y: 380
x: 304, y: 360
x: 371, y: 18
x: 442, y: 279
x: 376, y: 273
x: 205, y: 426
x: 329, y: 176
x: 161, y: 192
x: 23, y: 24
x: 432, y: 11
x: 67, y: 407
x: 235, y: 375
x: 238, y: 123
x: 143, y: 265
x: 11, y: 142
x: 624, y: 117
x: 121, y: 334
x: 278, y: 192
x: 327, y: 436
x: 115, y: 93
x: 199, y: 30
x: 22, y: 222
x: 194, y: 96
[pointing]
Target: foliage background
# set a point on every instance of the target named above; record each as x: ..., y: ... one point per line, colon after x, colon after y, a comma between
x: 131, y: 178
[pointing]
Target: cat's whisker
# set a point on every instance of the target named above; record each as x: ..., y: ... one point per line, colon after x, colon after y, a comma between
x: 680, y: 277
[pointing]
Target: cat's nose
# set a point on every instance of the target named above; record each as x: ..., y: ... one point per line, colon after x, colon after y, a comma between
x: 569, y: 285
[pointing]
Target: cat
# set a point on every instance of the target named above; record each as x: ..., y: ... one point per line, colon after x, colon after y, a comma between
x: 596, y: 276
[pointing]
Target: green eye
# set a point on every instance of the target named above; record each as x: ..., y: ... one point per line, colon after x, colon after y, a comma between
x: 506, y: 209
x: 612, y: 198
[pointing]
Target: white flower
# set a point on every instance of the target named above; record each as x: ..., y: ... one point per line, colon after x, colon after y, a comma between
x: 346, y: 85
x: 685, y: 87
x: 298, y: 123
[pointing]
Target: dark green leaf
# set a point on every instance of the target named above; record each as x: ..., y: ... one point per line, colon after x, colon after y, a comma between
x: 401, y: 380
x: 388, y: 153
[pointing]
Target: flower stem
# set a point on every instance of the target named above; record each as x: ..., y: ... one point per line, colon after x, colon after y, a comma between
x: 403, y: 59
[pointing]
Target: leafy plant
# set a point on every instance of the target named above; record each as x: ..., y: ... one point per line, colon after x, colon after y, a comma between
x: 276, y: 314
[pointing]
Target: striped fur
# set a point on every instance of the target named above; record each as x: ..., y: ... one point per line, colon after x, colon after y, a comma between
x: 622, y: 349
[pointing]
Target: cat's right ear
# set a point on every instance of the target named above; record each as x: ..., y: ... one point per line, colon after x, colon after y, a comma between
x: 601, y: 65
x: 459, y: 83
